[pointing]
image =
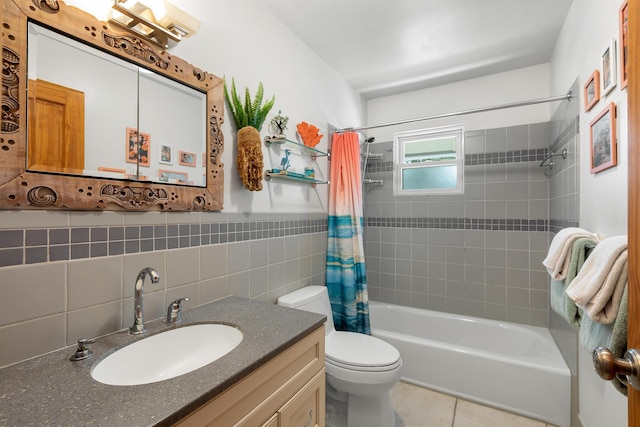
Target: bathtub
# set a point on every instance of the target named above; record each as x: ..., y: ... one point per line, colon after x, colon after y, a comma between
x: 516, y: 368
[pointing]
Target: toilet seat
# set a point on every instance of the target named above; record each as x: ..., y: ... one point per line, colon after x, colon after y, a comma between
x: 360, y: 352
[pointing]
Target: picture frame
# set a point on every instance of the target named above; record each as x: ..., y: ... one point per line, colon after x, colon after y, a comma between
x: 174, y: 177
x: 624, y: 42
x: 165, y: 154
x: 608, y: 73
x: 602, y: 139
x: 137, y: 147
x: 592, y: 90
x: 187, y: 158
x: 119, y: 171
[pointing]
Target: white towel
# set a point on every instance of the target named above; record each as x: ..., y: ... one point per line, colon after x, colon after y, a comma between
x: 599, y: 285
x: 559, y: 255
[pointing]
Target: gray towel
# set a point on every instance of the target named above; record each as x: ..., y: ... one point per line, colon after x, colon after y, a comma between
x: 560, y: 301
x: 612, y: 335
x: 597, y: 289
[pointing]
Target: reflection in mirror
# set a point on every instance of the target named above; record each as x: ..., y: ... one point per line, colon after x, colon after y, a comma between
x: 176, y: 130
x: 96, y: 115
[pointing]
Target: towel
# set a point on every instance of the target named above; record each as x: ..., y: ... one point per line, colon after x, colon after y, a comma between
x: 598, y: 287
x: 613, y: 336
x: 560, y: 301
x: 559, y: 254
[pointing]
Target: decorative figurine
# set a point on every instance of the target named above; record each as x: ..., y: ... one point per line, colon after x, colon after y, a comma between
x: 249, y: 118
x: 279, y: 125
x: 284, y: 163
x: 309, y: 134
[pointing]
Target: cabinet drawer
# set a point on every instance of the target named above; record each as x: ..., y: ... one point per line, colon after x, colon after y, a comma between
x: 306, y: 408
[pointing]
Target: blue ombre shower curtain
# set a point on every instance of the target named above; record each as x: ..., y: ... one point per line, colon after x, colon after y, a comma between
x: 346, y: 276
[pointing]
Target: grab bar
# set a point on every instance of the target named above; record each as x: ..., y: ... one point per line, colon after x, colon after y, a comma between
x: 551, y: 155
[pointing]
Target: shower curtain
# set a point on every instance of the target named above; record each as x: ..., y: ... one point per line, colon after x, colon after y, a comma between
x: 346, y: 276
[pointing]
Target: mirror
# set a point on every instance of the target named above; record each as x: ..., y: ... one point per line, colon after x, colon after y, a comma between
x: 140, y: 140
x: 109, y: 122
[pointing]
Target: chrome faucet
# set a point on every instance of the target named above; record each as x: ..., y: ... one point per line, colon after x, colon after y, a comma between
x: 174, y: 311
x: 138, y: 323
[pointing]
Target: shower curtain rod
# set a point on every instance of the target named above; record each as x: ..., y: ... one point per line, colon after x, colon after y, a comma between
x: 567, y: 96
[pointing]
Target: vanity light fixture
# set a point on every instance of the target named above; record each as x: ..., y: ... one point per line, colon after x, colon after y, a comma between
x: 158, y: 21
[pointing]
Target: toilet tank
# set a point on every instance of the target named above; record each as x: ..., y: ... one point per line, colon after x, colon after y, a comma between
x: 310, y: 298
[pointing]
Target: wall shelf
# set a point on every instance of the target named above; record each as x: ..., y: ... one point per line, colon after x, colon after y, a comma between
x: 269, y: 175
x: 268, y: 140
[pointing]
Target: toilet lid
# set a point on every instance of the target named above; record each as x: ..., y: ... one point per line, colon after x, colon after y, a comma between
x: 359, y: 350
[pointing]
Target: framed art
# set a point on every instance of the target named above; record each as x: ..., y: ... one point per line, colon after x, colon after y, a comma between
x: 624, y: 36
x: 592, y: 90
x: 186, y: 158
x: 138, y: 147
x: 113, y: 170
x: 608, y: 72
x: 602, y: 137
x: 173, y: 176
x: 166, y: 154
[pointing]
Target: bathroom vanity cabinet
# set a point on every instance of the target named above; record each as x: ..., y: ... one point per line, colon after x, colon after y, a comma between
x: 274, y: 377
x: 287, y: 391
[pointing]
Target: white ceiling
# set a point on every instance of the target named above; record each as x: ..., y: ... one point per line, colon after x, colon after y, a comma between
x: 384, y: 47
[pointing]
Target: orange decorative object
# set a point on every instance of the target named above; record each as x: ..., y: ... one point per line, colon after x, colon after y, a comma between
x: 309, y: 134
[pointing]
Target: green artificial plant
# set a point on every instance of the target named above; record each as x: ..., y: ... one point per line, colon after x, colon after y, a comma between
x: 251, y: 113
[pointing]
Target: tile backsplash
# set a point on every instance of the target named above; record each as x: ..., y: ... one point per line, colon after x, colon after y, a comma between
x: 70, y: 282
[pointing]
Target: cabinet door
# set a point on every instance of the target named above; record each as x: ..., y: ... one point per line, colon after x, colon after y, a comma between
x: 272, y: 422
x: 306, y: 408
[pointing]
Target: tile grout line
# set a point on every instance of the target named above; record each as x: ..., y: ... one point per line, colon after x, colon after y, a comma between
x: 455, y: 410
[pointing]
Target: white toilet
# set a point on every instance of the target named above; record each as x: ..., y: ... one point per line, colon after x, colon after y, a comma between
x: 361, y: 369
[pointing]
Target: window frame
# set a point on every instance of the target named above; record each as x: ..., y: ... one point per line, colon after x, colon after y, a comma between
x: 399, y: 143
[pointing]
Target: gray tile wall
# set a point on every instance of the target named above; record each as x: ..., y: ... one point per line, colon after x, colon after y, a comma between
x: 62, y: 283
x: 479, y: 253
x: 564, y: 203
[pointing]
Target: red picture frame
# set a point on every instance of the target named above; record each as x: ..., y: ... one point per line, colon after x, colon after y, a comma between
x: 624, y: 42
x: 173, y: 177
x: 592, y: 90
x: 138, y: 147
x: 187, y: 158
x: 602, y: 140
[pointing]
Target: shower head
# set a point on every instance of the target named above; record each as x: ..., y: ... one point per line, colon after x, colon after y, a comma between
x: 370, y: 140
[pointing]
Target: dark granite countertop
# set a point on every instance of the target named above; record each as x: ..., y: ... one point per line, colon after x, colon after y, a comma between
x: 53, y: 391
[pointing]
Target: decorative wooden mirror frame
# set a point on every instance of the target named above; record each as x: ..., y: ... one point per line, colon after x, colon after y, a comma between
x: 22, y: 189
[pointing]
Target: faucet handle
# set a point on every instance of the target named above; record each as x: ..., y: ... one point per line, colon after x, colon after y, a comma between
x: 82, y: 352
x: 174, y: 311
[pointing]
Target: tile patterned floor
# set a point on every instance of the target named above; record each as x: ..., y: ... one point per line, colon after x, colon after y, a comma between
x: 420, y: 407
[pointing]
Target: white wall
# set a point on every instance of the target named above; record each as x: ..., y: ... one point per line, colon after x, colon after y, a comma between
x: 603, y: 198
x: 497, y: 89
x: 244, y: 41
x: 241, y: 39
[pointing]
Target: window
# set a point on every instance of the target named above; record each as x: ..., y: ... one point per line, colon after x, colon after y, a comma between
x: 429, y: 161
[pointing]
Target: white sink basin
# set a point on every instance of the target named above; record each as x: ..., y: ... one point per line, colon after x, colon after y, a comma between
x: 167, y: 354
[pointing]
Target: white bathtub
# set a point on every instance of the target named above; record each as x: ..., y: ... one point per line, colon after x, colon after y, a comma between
x: 517, y: 368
